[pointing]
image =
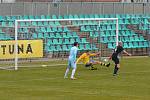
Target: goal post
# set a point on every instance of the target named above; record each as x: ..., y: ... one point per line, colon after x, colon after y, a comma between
x: 62, y: 23
x: 16, y: 43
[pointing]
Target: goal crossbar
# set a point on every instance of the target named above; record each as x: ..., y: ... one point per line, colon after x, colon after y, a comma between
x: 70, y: 19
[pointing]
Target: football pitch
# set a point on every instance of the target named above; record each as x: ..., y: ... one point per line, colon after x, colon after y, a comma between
x: 47, y: 83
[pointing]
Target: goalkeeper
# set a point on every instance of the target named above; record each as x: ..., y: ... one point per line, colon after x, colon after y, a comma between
x: 85, y: 58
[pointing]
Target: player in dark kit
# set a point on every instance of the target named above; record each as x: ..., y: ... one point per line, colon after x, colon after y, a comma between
x: 116, y: 55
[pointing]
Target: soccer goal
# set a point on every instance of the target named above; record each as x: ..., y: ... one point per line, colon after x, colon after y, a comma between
x: 37, y: 40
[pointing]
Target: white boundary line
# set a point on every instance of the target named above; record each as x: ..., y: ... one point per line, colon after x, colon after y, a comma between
x: 44, y: 65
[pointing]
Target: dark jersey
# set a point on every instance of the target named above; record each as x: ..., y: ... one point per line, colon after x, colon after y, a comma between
x: 118, y: 50
x: 116, y: 54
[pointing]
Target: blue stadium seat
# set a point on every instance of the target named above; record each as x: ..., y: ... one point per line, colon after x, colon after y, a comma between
x: 81, y: 47
x: 111, y: 39
x: 69, y: 46
x: 43, y: 17
x: 59, y: 48
x: 69, y: 35
x: 107, y: 33
x: 40, y: 35
x: 3, y: 24
x: 132, y: 38
x: 125, y: 45
x: 67, y: 41
x: 135, y: 44
x: 126, y: 39
x: 65, y: 29
x: 58, y: 35
x: 31, y: 17
x: 37, y: 30
x: 52, y: 48
x: 66, y: 16
x: 46, y: 35
x: 83, y: 40
x: 54, y: 29
x: 71, y: 16
x: 141, y: 45
x: 96, y: 34
x: 43, y: 29
x: 65, y: 48
x: 110, y: 45
x: 49, y: 42
x: 59, y: 29
x: 74, y: 34
x: 52, y: 35
x: 48, y: 17
x: 1, y: 18
x: 40, y: 23
x: 34, y: 36
x: 104, y: 40
x: 54, y: 17
x: 72, y: 40
x: 25, y: 17
x: 11, y: 24
x: 48, y: 29
x: 130, y: 45
x: 88, y: 46
x: 76, y: 16
x: 34, y: 23
x: 141, y: 38
x: 45, y: 23
x: 146, y: 44
x: 55, y: 41
x: 60, y: 41
x: 83, y: 29
x: 57, y: 23
x: 81, y: 16
x: 78, y: 40
x: 65, y: 35
x: 37, y: 17
x: 60, y: 17
x: 22, y: 24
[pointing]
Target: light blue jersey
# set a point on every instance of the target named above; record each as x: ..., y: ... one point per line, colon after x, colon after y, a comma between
x: 72, y: 57
x: 73, y: 53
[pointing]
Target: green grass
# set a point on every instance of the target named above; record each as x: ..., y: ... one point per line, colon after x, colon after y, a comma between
x: 132, y: 83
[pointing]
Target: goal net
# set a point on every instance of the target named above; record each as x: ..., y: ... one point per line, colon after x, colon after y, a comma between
x: 39, y: 40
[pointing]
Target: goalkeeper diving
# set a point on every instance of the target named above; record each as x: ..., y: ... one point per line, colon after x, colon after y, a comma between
x: 85, y: 59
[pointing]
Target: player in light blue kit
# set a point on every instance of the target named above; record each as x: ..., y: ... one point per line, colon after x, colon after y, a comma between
x: 72, y: 61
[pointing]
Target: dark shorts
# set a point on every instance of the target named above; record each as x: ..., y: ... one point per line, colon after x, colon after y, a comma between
x: 115, y: 58
x: 88, y: 65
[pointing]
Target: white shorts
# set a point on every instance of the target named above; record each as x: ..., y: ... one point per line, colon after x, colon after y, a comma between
x: 71, y: 64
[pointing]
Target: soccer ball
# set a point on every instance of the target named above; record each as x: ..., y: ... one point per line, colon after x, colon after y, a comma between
x: 105, y: 60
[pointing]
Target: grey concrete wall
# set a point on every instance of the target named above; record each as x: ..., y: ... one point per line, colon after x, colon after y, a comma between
x: 47, y: 8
